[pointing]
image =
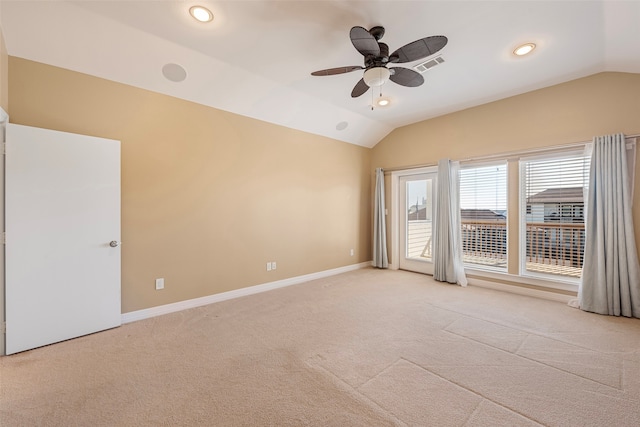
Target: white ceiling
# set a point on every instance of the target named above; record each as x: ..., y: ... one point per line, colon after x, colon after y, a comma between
x: 256, y: 57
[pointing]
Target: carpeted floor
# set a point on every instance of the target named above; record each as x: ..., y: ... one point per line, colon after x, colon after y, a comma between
x: 365, y: 348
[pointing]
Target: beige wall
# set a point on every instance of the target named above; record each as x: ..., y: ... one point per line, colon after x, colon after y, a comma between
x: 570, y: 112
x: 4, y: 101
x: 208, y: 197
x: 567, y: 113
x: 4, y: 75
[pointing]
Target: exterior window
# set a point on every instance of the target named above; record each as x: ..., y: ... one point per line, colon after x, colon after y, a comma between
x: 483, y: 212
x: 553, y: 232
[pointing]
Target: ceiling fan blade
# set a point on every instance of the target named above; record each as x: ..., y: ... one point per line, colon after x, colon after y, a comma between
x: 337, y: 70
x: 406, y: 77
x: 418, y: 49
x: 359, y: 89
x: 364, y: 42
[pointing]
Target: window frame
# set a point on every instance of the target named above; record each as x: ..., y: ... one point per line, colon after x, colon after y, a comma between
x: 522, y: 212
x: 513, y: 277
x: 485, y: 164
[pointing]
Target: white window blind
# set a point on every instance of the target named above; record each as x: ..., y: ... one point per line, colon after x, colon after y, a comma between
x: 483, y: 211
x: 553, y: 222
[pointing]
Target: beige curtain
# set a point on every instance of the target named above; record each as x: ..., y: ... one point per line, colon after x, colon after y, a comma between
x: 380, y: 259
x: 447, y: 238
x: 610, y: 281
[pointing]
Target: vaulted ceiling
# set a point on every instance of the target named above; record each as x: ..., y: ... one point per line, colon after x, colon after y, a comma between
x: 255, y: 57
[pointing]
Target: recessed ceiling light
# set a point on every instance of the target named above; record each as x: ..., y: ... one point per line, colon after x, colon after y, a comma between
x: 200, y: 13
x: 383, y: 102
x: 524, y: 49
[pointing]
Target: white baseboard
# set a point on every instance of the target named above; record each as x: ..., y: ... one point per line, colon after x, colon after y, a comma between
x: 147, y: 313
x: 538, y: 293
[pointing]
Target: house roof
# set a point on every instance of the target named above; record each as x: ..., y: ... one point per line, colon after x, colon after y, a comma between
x: 558, y: 195
x: 255, y: 57
x: 482, y: 214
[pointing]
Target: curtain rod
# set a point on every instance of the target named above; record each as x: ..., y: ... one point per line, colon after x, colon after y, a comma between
x: 503, y: 155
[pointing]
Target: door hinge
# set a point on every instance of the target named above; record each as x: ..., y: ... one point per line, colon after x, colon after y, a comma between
x: 4, y: 148
x: 4, y: 237
x: 3, y: 328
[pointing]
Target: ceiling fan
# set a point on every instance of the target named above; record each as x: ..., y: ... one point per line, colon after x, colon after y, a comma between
x: 376, y: 58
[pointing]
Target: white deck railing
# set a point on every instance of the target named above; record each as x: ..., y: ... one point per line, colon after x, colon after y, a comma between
x: 554, y: 248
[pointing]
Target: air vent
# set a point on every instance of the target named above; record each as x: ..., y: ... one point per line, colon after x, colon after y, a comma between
x: 427, y: 65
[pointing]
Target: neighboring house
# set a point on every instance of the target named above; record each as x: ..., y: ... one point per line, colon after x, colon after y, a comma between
x: 560, y: 206
x: 419, y: 211
x: 557, y: 205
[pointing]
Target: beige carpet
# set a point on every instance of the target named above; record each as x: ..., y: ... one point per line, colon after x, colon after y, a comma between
x: 366, y: 348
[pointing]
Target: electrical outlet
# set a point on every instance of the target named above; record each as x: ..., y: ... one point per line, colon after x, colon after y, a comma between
x: 159, y: 284
x: 268, y: 266
x: 273, y: 265
x: 351, y: 252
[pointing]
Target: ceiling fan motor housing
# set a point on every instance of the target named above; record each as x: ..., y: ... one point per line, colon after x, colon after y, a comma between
x: 377, y: 32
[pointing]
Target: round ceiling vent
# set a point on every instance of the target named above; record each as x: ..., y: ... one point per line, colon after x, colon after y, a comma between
x: 342, y: 126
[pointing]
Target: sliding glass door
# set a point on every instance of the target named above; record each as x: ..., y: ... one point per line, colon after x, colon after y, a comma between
x: 416, y: 198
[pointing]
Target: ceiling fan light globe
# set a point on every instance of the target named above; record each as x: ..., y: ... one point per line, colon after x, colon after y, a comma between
x: 376, y: 76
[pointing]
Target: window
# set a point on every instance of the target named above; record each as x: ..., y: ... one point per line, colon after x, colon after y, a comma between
x: 552, y: 231
x: 483, y: 213
x: 548, y: 229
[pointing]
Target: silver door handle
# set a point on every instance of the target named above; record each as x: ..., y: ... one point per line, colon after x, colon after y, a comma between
x: 114, y: 243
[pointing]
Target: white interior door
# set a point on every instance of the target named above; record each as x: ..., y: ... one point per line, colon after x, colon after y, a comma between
x: 416, y: 210
x: 62, y: 210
